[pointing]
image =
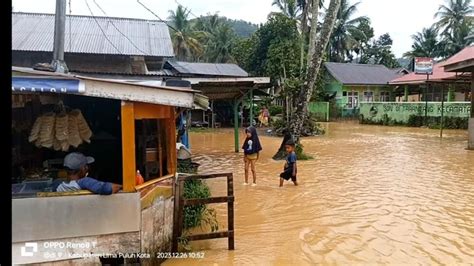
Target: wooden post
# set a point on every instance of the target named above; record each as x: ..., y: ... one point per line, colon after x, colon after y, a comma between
x: 251, y: 107
x: 230, y: 211
x: 405, y: 95
x: 236, y: 125
x: 442, y: 112
x: 471, y: 120
x: 160, y: 132
x: 128, y: 146
x: 171, y: 145
x: 177, y: 213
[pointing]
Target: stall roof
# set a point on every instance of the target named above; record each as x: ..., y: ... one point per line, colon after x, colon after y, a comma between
x: 230, y: 88
x: 206, y: 69
x: 463, y: 61
x: 122, y: 89
x: 35, y: 32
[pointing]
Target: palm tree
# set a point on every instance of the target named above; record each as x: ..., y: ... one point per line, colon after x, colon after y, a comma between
x: 462, y: 37
x: 425, y: 44
x: 290, y: 8
x: 219, y: 45
x: 343, y: 41
x: 186, y: 41
x: 451, y: 16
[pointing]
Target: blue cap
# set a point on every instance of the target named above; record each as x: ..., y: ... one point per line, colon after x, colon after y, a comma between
x: 76, y: 160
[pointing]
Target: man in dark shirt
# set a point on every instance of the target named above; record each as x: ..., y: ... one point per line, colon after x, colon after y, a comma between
x: 77, y: 168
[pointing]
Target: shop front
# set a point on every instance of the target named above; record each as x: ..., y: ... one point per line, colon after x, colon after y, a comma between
x: 129, y: 129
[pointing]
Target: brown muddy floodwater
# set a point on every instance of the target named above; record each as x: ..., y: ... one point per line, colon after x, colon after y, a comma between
x: 372, y: 195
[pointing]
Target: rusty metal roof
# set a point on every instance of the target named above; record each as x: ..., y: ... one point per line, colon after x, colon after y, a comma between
x: 206, y: 69
x: 35, y: 32
x: 360, y: 74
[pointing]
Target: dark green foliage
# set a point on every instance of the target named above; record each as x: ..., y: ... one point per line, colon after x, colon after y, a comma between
x: 275, y: 110
x: 198, y: 215
x: 273, y: 50
x: 379, y: 52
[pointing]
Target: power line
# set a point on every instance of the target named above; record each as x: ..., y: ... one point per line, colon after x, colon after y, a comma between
x: 179, y: 4
x: 103, y: 32
x: 149, y: 10
x: 111, y: 22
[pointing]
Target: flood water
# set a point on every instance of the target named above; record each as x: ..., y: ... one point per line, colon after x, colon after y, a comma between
x: 372, y: 195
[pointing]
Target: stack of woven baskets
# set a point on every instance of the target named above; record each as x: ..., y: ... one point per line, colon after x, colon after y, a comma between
x: 60, y: 131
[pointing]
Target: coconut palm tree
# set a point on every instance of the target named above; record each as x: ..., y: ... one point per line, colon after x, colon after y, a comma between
x: 425, y: 44
x: 290, y: 8
x: 342, y: 40
x: 219, y: 45
x: 452, y: 15
x: 462, y: 37
x: 186, y: 41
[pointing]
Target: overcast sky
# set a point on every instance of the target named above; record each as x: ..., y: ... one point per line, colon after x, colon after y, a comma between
x: 400, y: 18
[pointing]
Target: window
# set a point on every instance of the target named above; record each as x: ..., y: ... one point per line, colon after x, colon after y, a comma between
x: 368, y: 96
x: 352, y: 99
x: 384, y: 96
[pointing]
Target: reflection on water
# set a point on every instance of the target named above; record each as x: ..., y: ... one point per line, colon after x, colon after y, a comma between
x: 379, y: 195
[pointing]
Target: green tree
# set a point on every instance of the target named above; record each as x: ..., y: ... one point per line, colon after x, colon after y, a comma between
x: 289, y: 8
x: 455, y: 23
x: 346, y: 32
x: 273, y: 51
x: 362, y: 36
x: 220, y: 44
x: 452, y: 15
x: 186, y: 41
x: 380, y: 52
x: 425, y: 44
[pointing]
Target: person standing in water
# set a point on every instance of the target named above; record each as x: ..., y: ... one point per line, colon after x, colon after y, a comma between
x: 289, y: 170
x: 251, y: 149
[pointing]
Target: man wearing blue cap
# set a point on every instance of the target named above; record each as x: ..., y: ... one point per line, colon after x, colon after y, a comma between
x: 77, y: 167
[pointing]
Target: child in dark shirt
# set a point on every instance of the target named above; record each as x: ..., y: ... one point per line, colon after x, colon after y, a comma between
x: 289, y: 170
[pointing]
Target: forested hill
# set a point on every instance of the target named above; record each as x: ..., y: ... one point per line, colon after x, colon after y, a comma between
x: 242, y: 28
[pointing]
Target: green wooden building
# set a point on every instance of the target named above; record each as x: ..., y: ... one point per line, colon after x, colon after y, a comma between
x: 347, y: 85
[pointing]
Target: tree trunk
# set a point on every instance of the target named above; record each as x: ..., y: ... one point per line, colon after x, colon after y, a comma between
x: 304, y: 30
x: 314, y: 64
x: 312, y: 33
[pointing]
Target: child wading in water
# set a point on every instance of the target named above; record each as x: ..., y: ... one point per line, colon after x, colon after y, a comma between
x: 289, y: 170
x: 251, y: 149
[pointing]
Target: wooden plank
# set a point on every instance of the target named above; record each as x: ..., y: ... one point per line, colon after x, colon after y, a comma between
x: 180, y: 209
x: 128, y: 146
x: 151, y: 111
x: 183, y: 177
x: 220, y: 234
x: 190, y: 202
x: 176, y: 214
x: 230, y: 211
x: 60, y: 194
x: 153, y: 181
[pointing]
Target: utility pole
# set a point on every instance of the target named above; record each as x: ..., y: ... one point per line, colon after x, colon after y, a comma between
x: 58, y: 62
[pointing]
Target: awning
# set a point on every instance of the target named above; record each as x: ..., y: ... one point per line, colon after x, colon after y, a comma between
x: 25, y: 79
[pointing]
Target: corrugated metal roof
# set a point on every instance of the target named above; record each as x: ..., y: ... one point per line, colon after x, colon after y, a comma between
x: 35, y: 32
x: 413, y: 78
x: 360, y: 74
x: 465, y: 54
x: 228, y: 70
